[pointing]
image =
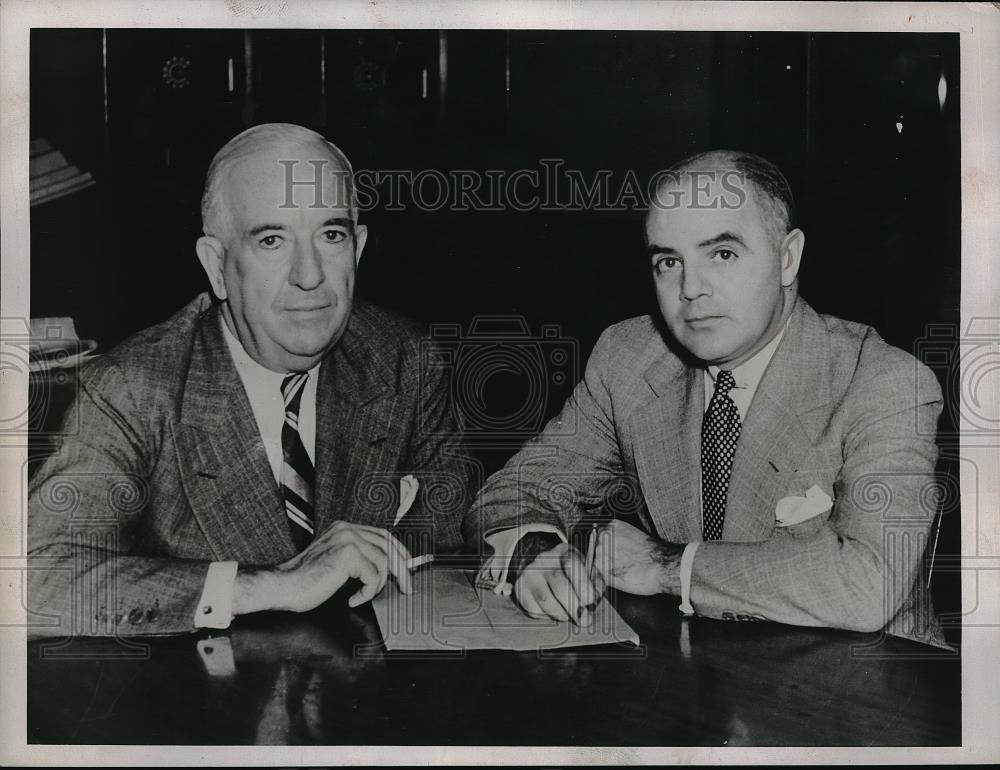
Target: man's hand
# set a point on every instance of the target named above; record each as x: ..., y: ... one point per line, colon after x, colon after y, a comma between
x: 556, y: 585
x: 637, y: 563
x: 309, y: 578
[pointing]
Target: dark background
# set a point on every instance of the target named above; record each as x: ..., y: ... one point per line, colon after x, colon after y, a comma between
x: 880, y: 207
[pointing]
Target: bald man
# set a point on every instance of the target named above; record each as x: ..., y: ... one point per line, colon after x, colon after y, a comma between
x: 741, y: 452
x: 246, y: 454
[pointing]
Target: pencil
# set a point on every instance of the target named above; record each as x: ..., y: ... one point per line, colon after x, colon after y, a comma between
x: 591, y: 553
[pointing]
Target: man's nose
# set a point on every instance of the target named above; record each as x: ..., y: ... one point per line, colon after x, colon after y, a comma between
x: 307, y: 266
x: 693, y: 283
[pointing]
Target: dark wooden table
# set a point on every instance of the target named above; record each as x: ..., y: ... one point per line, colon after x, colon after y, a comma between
x: 325, y: 678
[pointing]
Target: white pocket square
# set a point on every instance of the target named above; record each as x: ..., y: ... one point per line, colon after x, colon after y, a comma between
x: 408, y: 486
x: 794, y: 509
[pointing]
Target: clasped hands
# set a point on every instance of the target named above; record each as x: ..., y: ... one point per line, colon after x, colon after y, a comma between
x: 556, y: 584
x: 341, y: 552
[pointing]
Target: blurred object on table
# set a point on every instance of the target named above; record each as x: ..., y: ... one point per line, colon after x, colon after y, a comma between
x: 54, y: 344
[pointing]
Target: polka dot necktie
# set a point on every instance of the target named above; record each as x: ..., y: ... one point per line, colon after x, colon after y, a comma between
x: 297, y: 473
x: 720, y: 430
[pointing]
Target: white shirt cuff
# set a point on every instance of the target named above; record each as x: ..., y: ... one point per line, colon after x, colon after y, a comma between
x: 215, y: 607
x: 494, y: 572
x: 687, y: 559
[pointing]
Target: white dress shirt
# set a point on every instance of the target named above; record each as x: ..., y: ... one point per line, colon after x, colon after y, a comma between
x: 263, y: 389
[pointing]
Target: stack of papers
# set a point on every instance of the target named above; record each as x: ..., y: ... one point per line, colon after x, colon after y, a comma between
x: 50, y: 175
x: 447, y: 612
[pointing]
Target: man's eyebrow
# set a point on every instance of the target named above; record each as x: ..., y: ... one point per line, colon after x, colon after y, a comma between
x: 261, y: 228
x: 723, y: 238
x: 726, y: 237
x: 339, y: 221
x: 332, y: 221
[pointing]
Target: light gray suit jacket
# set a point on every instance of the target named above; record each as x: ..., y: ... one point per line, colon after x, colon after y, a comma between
x: 162, y: 470
x: 837, y: 407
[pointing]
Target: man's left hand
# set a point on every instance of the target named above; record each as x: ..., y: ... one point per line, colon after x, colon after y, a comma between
x: 637, y: 563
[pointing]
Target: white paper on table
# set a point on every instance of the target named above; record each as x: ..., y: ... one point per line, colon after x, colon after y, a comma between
x: 447, y: 612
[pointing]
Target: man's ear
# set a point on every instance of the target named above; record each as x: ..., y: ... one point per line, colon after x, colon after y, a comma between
x: 360, y: 239
x: 791, y: 256
x: 211, y: 254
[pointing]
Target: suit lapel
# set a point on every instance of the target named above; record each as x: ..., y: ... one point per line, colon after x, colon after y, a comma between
x: 223, y: 466
x: 770, y: 445
x: 774, y: 441
x: 667, y: 434
x: 351, y: 417
x: 773, y: 445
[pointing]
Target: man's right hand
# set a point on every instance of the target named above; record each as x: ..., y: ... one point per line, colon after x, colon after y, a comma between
x: 341, y: 552
x: 556, y: 585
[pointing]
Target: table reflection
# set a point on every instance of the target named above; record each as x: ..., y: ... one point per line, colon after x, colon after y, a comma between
x: 325, y: 678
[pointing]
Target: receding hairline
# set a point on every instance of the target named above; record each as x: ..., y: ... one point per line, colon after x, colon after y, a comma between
x: 268, y: 137
x: 776, y: 204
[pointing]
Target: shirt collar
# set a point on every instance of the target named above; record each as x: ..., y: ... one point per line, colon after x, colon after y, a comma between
x: 247, y: 367
x: 749, y: 373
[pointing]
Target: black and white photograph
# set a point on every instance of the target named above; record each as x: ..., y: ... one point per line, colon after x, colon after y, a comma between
x: 450, y: 383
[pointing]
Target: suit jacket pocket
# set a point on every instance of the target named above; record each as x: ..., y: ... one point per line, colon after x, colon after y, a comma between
x: 808, y: 527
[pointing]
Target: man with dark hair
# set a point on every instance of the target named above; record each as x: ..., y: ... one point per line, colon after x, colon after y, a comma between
x: 778, y: 458
x: 244, y: 454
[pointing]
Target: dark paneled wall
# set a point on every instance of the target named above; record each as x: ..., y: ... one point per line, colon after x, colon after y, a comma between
x: 879, y: 204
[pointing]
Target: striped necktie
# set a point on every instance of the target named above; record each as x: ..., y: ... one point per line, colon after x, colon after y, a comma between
x: 297, y: 473
x: 720, y: 430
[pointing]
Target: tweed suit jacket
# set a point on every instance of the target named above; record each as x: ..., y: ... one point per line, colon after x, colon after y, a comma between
x: 162, y: 470
x: 837, y: 408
